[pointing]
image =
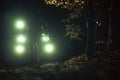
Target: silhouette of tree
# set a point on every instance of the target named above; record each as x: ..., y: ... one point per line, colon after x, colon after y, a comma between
x: 94, y: 12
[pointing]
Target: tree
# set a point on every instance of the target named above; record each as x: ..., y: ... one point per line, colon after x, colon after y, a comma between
x: 77, y: 8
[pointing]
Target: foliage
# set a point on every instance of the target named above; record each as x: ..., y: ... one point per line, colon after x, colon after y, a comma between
x: 75, y: 7
x: 74, y: 31
x: 68, y: 4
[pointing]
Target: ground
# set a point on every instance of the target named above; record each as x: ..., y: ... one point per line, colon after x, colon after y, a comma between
x: 76, y: 68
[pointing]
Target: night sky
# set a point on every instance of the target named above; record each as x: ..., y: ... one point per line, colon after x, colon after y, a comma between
x: 35, y: 14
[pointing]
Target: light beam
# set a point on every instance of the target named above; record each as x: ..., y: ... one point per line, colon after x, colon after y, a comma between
x: 49, y: 48
x: 45, y: 38
x: 21, y: 39
x: 20, y: 24
x: 20, y: 49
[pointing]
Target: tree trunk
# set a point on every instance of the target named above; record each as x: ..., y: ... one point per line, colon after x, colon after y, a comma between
x: 109, y: 27
x: 90, y: 24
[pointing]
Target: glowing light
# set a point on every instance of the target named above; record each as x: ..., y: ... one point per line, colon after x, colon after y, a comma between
x: 45, y: 38
x: 49, y: 48
x: 19, y: 49
x: 20, y: 24
x: 21, y: 39
x: 43, y: 34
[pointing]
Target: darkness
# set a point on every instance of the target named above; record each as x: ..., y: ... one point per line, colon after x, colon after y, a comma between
x: 115, y: 25
x: 37, y: 14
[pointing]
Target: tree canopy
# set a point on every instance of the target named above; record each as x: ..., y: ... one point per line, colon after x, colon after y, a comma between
x: 73, y: 30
